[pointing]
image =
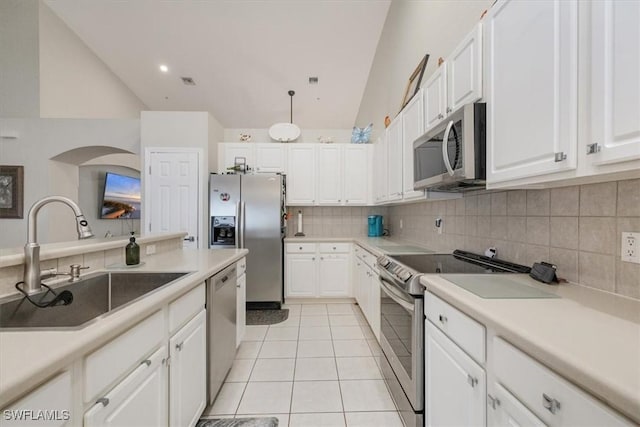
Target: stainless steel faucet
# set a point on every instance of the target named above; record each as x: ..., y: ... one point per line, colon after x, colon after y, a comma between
x: 32, y: 279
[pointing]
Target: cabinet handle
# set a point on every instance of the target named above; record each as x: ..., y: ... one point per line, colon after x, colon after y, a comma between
x: 449, y: 109
x: 321, y: 258
x: 550, y: 404
x: 146, y: 362
x: 440, y: 116
x: 347, y: 201
x: 339, y: 200
x: 300, y: 248
x: 224, y: 279
x: 472, y: 381
x: 103, y: 400
x: 179, y: 346
x: 313, y: 259
x: 493, y: 401
x: 334, y: 248
x: 442, y: 319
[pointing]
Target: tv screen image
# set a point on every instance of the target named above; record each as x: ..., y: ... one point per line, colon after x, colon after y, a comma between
x: 121, y: 199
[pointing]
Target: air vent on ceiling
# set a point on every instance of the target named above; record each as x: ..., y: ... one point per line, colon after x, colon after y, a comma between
x: 188, y: 81
x: 313, y: 80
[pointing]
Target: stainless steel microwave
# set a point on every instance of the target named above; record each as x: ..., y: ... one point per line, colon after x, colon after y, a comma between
x: 452, y: 156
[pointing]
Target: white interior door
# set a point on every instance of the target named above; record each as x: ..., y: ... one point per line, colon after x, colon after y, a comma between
x: 173, y: 194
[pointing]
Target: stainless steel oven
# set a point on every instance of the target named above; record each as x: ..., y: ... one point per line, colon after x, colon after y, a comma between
x: 402, y: 343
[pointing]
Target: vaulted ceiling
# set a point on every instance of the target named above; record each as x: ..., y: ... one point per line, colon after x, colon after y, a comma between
x: 243, y: 55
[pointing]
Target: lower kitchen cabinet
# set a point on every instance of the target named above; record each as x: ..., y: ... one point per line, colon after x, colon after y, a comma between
x: 138, y: 400
x: 241, y: 308
x: 317, y: 270
x: 455, y: 385
x: 188, y: 372
x: 505, y: 410
x: 366, y: 288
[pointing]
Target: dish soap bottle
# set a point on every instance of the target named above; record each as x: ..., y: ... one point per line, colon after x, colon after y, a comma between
x: 132, y: 252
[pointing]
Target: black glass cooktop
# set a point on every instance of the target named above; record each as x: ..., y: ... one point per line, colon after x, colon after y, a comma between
x: 460, y: 262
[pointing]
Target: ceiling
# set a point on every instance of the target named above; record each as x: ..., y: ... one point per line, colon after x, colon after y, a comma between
x: 243, y: 55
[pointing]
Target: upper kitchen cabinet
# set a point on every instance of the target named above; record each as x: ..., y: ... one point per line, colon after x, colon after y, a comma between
x: 380, y: 171
x: 259, y: 157
x: 394, y: 159
x: 456, y: 82
x: 531, y: 69
x: 301, y: 177
x: 356, y: 174
x: 330, y: 165
x: 412, y: 128
x: 615, y: 82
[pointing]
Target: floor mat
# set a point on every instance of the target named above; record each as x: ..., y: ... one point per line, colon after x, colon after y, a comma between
x: 238, y: 422
x: 266, y: 317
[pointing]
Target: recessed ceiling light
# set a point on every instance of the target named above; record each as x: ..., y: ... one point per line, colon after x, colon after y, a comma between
x: 164, y: 68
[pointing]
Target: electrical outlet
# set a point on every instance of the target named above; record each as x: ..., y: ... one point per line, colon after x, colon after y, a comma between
x: 630, y: 251
x: 151, y: 249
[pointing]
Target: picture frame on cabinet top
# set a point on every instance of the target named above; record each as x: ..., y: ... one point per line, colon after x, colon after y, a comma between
x: 413, y: 85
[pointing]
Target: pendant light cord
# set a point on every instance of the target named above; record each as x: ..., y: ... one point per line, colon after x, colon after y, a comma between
x: 291, y: 93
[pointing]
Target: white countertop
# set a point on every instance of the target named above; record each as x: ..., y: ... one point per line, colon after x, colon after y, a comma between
x: 590, y: 337
x: 29, y: 357
x: 377, y: 245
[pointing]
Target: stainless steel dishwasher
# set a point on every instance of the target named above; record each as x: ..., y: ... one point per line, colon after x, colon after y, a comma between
x: 221, y: 324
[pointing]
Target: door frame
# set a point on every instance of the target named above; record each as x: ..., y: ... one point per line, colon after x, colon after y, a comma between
x: 202, y: 227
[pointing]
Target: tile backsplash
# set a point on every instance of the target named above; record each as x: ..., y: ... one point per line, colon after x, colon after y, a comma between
x: 577, y: 228
x: 338, y: 221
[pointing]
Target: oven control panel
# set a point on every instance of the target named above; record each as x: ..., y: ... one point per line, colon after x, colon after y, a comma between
x: 400, y: 272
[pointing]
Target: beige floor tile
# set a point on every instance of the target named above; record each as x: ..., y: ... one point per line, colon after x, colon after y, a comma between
x: 373, y: 419
x: 329, y: 419
x: 240, y: 371
x: 272, y: 370
x: 347, y: 333
x: 315, y: 333
x: 320, y: 320
x: 343, y: 320
x: 366, y: 395
x: 358, y: 368
x: 316, y: 368
x: 351, y: 348
x: 282, y: 334
x: 266, y: 397
x: 291, y: 322
x: 248, y: 349
x: 278, y: 350
x: 313, y: 309
x: 342, y: 308
x: 319, y: 348
x: 227, y: 400
x: 255, y: 333
x: 316, y: 396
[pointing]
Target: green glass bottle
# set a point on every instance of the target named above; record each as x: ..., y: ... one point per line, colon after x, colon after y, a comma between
x: 132, y: 252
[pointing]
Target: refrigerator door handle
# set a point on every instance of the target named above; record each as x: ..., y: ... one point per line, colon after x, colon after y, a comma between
x: 243, y: 219
x: 237, y: 225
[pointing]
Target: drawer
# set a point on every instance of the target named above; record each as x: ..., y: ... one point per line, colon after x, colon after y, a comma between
x: 302, y: 248
x: 366, y: 256
x: 460, y: 328
x: 241, y: 267
x: 327, y: 248
x: 185, y: 307
x: 105, y: 365
x: 547, y: 395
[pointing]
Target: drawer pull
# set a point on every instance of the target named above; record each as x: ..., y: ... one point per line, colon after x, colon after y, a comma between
x: 493, y: 401
x: 472, y: 381
x: 146, y: 362
x: 179, y: 346
x: 300, y: 248
x: 442, y: 318
x: 550, y: 404
x: 103, y: 400
x: 224, y: 279
x: 334, y: 248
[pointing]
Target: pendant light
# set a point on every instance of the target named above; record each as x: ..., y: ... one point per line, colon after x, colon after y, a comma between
x: 285, y: 132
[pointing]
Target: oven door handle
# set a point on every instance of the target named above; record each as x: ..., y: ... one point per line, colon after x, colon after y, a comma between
x: 387, y: 288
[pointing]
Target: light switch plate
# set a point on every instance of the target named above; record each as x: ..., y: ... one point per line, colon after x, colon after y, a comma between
x: 151, y: 249
x: 630, y: 252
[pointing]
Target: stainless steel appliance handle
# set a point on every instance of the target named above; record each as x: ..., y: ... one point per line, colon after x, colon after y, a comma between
x: 445, y: 155
x: 243, y: 215
x: 387, y: 288
x: 237, y: 225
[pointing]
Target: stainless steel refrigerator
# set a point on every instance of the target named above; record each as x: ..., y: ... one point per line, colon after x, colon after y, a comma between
x: 247, y: 211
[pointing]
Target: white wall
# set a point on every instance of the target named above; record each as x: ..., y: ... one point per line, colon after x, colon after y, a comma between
x: 39, y: 141
x: 74, y: 82
x: 306, y: 135
x: 19, y: 80
x: 412, y: 29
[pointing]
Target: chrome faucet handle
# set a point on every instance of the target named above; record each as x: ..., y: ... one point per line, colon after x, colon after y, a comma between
x: 75, y: 272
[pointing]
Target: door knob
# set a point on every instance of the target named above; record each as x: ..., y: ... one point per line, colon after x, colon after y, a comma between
x: 189, y: 239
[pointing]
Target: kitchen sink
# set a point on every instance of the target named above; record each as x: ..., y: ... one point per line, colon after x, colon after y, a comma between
x: 93, y: 297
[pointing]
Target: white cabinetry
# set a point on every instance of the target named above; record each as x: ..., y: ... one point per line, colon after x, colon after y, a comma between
x: 317, y: 270
x: 260, y: 157
x: 138, y: 400
x: 301, y: 179
x: 241, y: 300
x: 367, y: 288
x: 270, y: 158
x: 435, y: 97
x: 356, y: 174
x: 505, y: 410
x: 229, y: 151
x: 54, y: 396
x: 188, y: 372
x: 394, y: 159
x: 455, y: 385
x: 531, y: 88
x: 330, y: 167
x: 380, y: 171
x: 615, y: 86
x: 464, y: 71
x: 412, y: 128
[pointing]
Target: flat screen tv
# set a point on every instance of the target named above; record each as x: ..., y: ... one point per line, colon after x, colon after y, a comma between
x: 121, y: 197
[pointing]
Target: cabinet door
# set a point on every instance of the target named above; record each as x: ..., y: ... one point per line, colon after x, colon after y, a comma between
x: 188, y: 372
x: 241, y: 309
x: 270, y: 158
x: 435, y: 97
x: 228, y: 151
x: 380, y: 172
x: 300, y: 276
x: 374, y: 304
x: 54, y: 396
x: 362, y: 296
x: 455, y: 385
x: 333, y: 275
x: 355, y: 173
x: 507, y: 411
x: 531, y: 93
x: 394, y: 153
x: 412, y: 128
x: 615, y: 67
x: 139, y: 400
x: 464, y: 71
x: 301, y: 182
x: 330, y: 179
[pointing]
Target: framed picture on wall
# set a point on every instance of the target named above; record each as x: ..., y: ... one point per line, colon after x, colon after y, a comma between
x: 413, y: 85
x: 11, y: 191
